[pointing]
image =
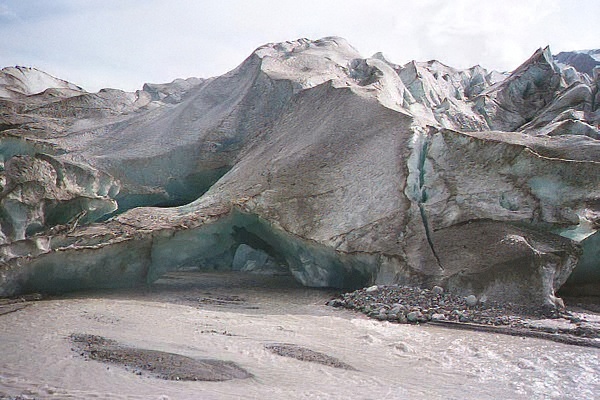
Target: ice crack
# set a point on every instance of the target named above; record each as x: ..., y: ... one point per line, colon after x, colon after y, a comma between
x: 420, y: 147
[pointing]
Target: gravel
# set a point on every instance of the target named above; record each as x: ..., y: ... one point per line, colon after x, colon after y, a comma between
x: 304, y: 354
x: 420, y: 305
x: 400, y: 304
x: 158, y: 364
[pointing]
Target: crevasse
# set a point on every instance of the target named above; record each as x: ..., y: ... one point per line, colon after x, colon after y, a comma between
x: 416, y: 188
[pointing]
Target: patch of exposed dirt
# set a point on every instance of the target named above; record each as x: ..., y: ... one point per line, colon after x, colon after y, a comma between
x: 304, y: 354
x: 158, y: 364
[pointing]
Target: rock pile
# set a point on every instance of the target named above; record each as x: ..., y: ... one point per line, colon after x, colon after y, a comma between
x: 414, y: 305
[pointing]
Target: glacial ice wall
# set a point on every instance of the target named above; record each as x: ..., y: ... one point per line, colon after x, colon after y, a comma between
x: 41, y: 191
x: 137, y: 257
x: 312, y: 160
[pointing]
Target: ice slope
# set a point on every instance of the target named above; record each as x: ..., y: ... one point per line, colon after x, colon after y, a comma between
x: 18, y: 81
x: 171, y: 153
x: 341, y: 169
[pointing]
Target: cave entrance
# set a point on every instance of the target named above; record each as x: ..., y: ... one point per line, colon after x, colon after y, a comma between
x: 254, y: 254
x: 238, y: 242
x: 242, y: 242
x: 582, y: 289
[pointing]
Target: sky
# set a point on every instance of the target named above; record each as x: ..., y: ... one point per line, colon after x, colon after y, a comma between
x: 125, y: 43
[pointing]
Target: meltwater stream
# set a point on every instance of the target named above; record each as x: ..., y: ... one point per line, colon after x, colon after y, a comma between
x: 232, y: 316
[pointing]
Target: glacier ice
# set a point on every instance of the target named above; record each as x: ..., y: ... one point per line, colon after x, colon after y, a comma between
x: 311, y: 160
x: 42, y: 191
x: 135, y: 258
x: 19, y: 81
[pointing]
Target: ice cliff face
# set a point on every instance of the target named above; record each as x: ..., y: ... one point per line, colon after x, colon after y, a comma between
x: 311, y: 159
x: 582, y: 61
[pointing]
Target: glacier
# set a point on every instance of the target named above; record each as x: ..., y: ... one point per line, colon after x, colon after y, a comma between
x: 312, y: 160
